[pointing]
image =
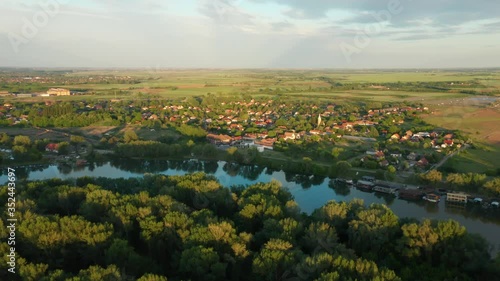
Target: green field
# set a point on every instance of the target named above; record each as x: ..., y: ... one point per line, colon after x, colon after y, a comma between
x: 443, y: 91
x: 476, y: 160
x: 428, y: 86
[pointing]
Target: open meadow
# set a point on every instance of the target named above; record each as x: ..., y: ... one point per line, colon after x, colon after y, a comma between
x: 465, y: 100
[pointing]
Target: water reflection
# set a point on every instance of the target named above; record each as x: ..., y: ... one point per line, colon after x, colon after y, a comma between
x: 431, y: 207
x: 341, y: 188
x: 388, y: 198
x: 310, y: 192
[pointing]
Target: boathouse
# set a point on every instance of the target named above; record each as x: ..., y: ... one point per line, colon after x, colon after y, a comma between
x: 457, y: 197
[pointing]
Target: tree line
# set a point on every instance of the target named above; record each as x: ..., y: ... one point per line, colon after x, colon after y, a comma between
x: 192, y: 228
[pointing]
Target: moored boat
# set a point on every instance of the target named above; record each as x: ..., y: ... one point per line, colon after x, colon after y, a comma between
x: 385, y: 189
x: 432, y: 197
x: 410, y: 194
x: 364, y: 185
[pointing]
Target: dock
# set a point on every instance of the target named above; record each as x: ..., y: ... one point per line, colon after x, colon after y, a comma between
x: 410, y: 194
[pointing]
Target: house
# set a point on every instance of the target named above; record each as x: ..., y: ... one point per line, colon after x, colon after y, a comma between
x: 314, y: 132
x: 422, y: 162
x: 422, y: 135
x: 412, y: 156
x: 289, y: 136
x: 448, y: 142
x: 235, y: 127
x: 52, y: 147
x: 249, y: 136
x: 260, y: 124
x: 262, y: 135
x: 346, y: 126
x: 379, y: 154
x: 218, y: 139
x: 384, y: 163
x: 395, y: 137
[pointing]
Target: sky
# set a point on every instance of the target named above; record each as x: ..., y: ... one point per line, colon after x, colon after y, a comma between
x: 250, y: 33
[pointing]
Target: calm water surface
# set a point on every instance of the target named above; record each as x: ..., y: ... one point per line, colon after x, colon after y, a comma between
x: 309, y: 192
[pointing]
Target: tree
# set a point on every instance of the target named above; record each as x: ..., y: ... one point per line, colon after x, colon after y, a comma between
x: 391, y: 169
x: 493, y: 186
x: 20, y: 152
x: 209, y: 150
x: 343, y: 168
x: 33, y: 272
x: 76, y: 139
x: 274, y: 260
x: 373, y: 132
x: 152, y: 277
x: 432, y: 177
x: 110, y: 273
x: 418, y: 239
x: 130, y: 136
x: 63, y: 148
x: 372, y: 230
x: 191, y: 131
x: 202, y: 263
x: 393, y: 129
x: 4, y: 138
x: 336, y: 152
x: 22, y: 141
x: 191, y: 228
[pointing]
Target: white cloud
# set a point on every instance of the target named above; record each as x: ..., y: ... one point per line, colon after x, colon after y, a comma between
x: 234, y: 33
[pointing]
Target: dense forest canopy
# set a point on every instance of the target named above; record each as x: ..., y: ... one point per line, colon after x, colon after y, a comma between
x: 192, y: 228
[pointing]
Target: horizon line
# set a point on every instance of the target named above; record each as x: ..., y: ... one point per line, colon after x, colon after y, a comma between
x: 242, y: 68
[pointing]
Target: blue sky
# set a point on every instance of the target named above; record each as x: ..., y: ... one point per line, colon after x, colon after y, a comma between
x: 250, y: 33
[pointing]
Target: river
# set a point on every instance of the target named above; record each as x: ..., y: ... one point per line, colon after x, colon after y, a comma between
x: 309, y: 192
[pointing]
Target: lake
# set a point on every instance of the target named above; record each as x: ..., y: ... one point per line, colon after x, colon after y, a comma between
x: 309, y: 192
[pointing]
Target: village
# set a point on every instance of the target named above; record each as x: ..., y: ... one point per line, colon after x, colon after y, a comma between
x: 386, y: 132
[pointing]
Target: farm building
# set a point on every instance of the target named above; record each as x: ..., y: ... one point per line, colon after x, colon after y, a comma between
x: 58, y: 92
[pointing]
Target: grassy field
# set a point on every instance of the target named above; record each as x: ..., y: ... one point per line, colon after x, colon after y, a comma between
x: 477, y: 116
x: 476, y: 160
x: 36, y: 134
x: 176, y: 84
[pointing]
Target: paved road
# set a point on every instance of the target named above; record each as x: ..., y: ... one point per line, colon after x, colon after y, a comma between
x: 359, y: 138
x: 441, y: 163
